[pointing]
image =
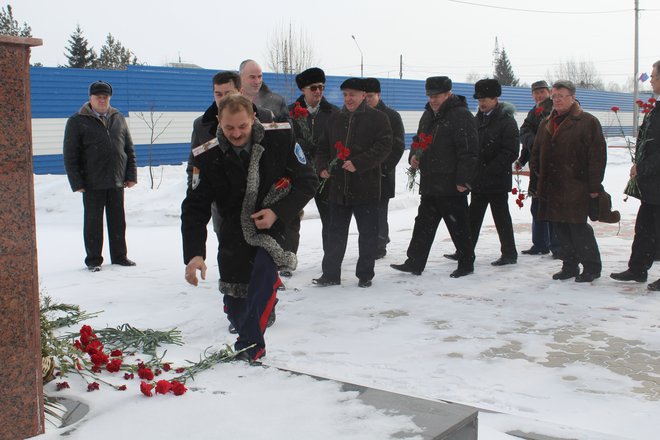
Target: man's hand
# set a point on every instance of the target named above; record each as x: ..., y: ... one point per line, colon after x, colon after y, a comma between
x: 593, y: 195
x: 414, y: 163
x: 197, y: 263
x: 81, y: 190
x: 129, y: 184
x: 461, y: 188
x: 633, y: 171
x: 324, y: 174
x: 264, y: 219
x: 348, y: 166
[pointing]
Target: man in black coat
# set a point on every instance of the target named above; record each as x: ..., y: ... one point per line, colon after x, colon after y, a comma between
x: 544, y: 238
x: 259, y: 180
x: 447, y: 169
x: 355, y: 142
x: 309, y: 116
x: 388, y: 167
x: 100, y: 162
x: 499, y: 144
x: 645, y: 173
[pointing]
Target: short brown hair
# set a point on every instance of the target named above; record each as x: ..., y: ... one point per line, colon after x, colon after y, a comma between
x: 234, y: 104
x: 656, y: 66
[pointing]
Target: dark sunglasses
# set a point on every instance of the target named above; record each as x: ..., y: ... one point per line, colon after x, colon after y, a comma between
x: 315, y: 88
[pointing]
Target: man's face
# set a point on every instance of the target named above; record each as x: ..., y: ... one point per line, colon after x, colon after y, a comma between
x: 251, y: 79
x: 313, y: 93
x: 655, y: 81
x: 100, y: 103
x: 237, y: 127
x: 372, y: 99
x: 540, y: 95
x: 435, y: 101
x: 562, y: 100
x: 352, y: 99
x: 487, y: 104
x: 222, y: 90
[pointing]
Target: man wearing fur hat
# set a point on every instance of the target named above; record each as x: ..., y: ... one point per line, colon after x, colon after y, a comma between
x: 354, y: 144
x: 259, y: 180
x: 566, y: 172
x: 447, y: 168
x: 100, y: 162
x: 309, y: 116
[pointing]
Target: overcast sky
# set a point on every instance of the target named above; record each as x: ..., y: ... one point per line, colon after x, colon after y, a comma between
x: 435, y: 37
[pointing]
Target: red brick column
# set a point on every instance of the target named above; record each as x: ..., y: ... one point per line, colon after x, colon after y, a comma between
x: 21, y: 391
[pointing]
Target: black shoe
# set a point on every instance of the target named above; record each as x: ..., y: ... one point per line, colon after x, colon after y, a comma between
x: 124, y: 262
x: 272, y: 317
x: 405, y: 267
x: 244, y: 356
x: 587, y: 277
x: 281, y: 286
x: 286, y: 273
x: 232, y: 329
x: 364, y: 283
x: 322, y: 281
x: 629, y: 275
x: 503, y: 261
x: 453, y: 256
x: 535, y: 251
x: 461, y: 273
x: 94, y: 268
x: 655, y: 286
x: 380, y: 253
x: 566, y: 273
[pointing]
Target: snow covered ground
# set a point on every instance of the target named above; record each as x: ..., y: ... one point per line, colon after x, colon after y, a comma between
x: 584, y: 360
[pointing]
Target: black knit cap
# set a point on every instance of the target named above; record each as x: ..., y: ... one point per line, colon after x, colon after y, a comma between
x: 437, y: 84
x: 540, y: 85
x: 312, y: 75
x: 353, y: 83
x: 487, y: 88
x: 100, y: 88
x: 371, y: 85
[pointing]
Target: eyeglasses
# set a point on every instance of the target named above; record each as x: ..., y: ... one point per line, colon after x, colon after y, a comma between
x: 315, y: 88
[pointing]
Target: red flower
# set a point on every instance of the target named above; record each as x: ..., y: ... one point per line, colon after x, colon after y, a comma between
x: 615, y: 109
x: 538, y: 111
x: 342, y: 151
x: 514, y: 191
x: 281, y: 184
x: 145, y: 373
x: 167, y: 366
x: 99, y: 358
x: 122, y: 388
x: 96, y: 368
x: 116, y: 353
x: 128, y: 376
x: 180, y: 370
x: 178, y: 388
x: 62, y: 385
x: 78, y: 345
x: 639, y: 102
x: 86, y: 330
x: 92, y: 386
x: 652, y: 100
x: 114, y: 365
x: 157, y: 372
x: 93, y: 347
x: 163, y: 387
x: 145, y: 388
x: 298, y: 111
x: 521, y: 196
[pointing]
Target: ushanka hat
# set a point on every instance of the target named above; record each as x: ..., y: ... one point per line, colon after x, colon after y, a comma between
x: 100, y: 88
x: 487, y: 88
x: 371, y: 85
x: 353, y: 83
x: 313, y: 75
x: 437, y: 84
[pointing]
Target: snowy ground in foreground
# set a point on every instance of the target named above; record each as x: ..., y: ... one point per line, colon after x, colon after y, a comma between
x: 507, y: 339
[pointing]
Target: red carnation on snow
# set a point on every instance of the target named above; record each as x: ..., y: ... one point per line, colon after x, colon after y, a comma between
x: 145, y: 373
x: 145, y: 388
x: 163, y: 387
x: 114, y: 365
x: 178, y: 388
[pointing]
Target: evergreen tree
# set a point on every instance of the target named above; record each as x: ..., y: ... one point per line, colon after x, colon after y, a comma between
x: 504, y: 71
x: 9, y: 25
x: 80, y: 55
x: 114, y: 55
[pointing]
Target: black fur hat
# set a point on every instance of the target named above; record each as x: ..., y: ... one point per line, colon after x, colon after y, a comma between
x: 487, y: 88
x: 312, y: 75
x: 353, y: 83
x: 371, y: 85
x: 100, y: 88
x: 437, y: 84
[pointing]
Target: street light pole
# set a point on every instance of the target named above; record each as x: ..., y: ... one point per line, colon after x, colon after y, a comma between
x: 636, y: 71
x: 361, y: 57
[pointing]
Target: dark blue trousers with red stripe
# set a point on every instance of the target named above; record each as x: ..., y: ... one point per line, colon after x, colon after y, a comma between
x: 250, y: 315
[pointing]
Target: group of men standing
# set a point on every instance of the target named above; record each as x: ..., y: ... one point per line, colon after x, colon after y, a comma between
x: 255, y: 163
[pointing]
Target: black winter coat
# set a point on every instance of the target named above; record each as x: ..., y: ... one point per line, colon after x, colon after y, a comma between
x: 96, y: 157
x: 648, y: 158
x: 388, y: 167
x: 367, y: 134
x: 499, y: 145
x: 451, y: 159
x: 239, y: 192
x: 530, y: 126
x: 316, y: 123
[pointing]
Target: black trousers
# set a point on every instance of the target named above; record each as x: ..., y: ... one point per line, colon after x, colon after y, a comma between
x: 432, y: 209
x: 383, y: 226
x: 577, y: 245
x: 499, y: 208
x: 366, y: 217
x: 323, y: 207
x: 647, y: 238
x: 94, y: 203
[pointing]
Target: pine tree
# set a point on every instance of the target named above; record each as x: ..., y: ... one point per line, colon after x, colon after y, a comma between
x: 80, y: 55
x: 9, y: 25
x: 504, y: 71
x: 115, y: 56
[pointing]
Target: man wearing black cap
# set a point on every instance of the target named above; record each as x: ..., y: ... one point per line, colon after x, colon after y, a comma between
x: 447, y: 169
x: 100, y: 162
x: 310, y: 114
x: 354, y: 144
x: 544, y: 239
x: 388, y: 167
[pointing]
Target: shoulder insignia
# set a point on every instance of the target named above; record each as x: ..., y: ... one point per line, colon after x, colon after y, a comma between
x: 277, y: 126
x: 300, y: 154
x: 205, y: 147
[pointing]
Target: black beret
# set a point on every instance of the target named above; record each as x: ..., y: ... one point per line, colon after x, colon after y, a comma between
x: 487, y: 88
x: 437, y: 84
x: 353, y: 83
x: 371, y: 85
x: 100, y: 88
x: 540, y: 85
x: 312, y: 75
